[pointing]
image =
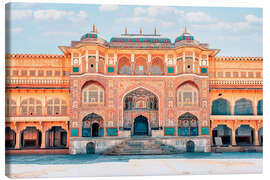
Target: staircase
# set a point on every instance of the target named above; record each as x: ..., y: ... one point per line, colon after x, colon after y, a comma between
x: 141, y: 146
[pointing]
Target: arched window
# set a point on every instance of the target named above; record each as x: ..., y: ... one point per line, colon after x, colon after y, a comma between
x: 243, y: 107
x: 56, y: 107
x: 157, y: 66
x: 11, y: 107
x: 124, y: 66
x: 140, y: 66
x: 187, y: 125
x: 260, y: 107
x: 31, y: 106
x: 221, y: 107
x: 187, y: 95
x: 92, y: 94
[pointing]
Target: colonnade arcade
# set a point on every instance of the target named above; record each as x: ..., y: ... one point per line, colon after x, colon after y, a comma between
x: 238, y: 134
x: 36, y: 135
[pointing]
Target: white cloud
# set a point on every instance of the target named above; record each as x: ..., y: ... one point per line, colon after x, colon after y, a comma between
x: 198, y: 17
x: 18, y: 14
x: 53, y: 14
x: 57, y: 34
x: 253, y: 19
x: 155, y: 11
x: 16, y: 30
x: 108, y: 7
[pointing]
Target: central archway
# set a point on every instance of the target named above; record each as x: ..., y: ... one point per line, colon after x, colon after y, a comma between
x: 140, y: 126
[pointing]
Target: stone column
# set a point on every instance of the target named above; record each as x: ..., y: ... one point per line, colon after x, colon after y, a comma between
x: 43, y: 137
x: 256, y: 138
x: 233, y: 137
x: 18, y: 140
x: 67, y: 145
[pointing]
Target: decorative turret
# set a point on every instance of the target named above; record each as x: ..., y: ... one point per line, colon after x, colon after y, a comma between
x: 92, y: 35
x: 185, y: 36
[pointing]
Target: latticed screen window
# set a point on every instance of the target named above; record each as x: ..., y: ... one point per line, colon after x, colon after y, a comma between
x: 235, y: 74
x: 57, y: 73
x: 93, y: 94
x: 56, y: 107
x: 31, y: 106
x: 250, y: 74
x: 187, y: 95
x: 32, y: 73
x: 258, y: 75
x: 49, y: 73
x: 243, y: 74
x: 228, y: 74
x: 24, y: 73
x: 11, y: 107
x: 15, y: 73
x: 40, y: 73
x: 220, y: 74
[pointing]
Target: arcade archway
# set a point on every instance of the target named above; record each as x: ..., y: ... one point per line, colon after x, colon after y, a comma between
x: 140, y: 126
x: 244, y: 135
x: 92, y: 125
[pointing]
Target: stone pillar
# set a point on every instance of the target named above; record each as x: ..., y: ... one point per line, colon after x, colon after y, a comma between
x: 67, y: 145
x: 256, y: 138
x: 43, y: 137
x: 233, y: 137
x: 18, y: 140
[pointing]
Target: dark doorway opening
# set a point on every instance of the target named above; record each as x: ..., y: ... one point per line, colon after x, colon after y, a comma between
x: 90, y: 148
x: 140, y: 126
x: 95, y: 130
x: 190, y: 146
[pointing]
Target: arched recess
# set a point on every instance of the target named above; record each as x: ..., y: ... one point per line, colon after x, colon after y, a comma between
x: 11, y: 107
x: 260, y: 107
x: 124, y: 66
x: 90, y: 148
x: 244, y: 135
x: 140, y: 126
x: 56, y: 106
x: 221, y: 106
x: 10, y: 138
x: 187, y: 94
x: 190, y: 146
x: 140, y: 101
x: 92, y: 125
x: 93, y: 93
x: 31, y: 138
x: 224, y: 132
x: 188, y: 125
x: 140, y: 66
x: 56, y: 137
x: 157, y: 66
x: 243, y: 106
x: 31, y: 106
x: 260, y: 136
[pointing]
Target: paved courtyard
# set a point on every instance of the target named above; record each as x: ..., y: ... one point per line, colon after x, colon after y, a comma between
x: 131, y: 166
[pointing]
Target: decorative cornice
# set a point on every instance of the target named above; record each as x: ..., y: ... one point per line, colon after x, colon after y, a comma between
x: 222, y: 58
x: 37, y: 118
x: 34, y: 56
x: 233, y: 117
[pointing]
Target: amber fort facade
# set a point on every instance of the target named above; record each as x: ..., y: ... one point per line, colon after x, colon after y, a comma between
x: 98, y: 96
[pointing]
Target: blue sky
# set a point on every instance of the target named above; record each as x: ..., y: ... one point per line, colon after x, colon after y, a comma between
x: 41, y: 28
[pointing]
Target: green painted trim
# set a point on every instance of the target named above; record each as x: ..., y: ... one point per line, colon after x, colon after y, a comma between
x: 205, y: 131
x: 75, y: 69
x: 110, y: 69
x: 74, y: 132
x: 170, y: 69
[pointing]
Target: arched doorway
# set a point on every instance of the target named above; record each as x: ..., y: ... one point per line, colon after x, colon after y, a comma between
x: 90, y: 148
x: 31, y: 138
x: 224, y: 133
x: 92, y: 126
x: 260, y: 136
x: 188, y: 125
x: 244, y: 135
x: 10, y: 138
x: 138, y: 102
x: 95, y: 130
x: 141, y: 126
x: 56, y: 137
x: 190, y: 146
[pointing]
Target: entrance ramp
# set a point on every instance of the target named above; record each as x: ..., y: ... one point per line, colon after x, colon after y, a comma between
x: 141, y: 145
